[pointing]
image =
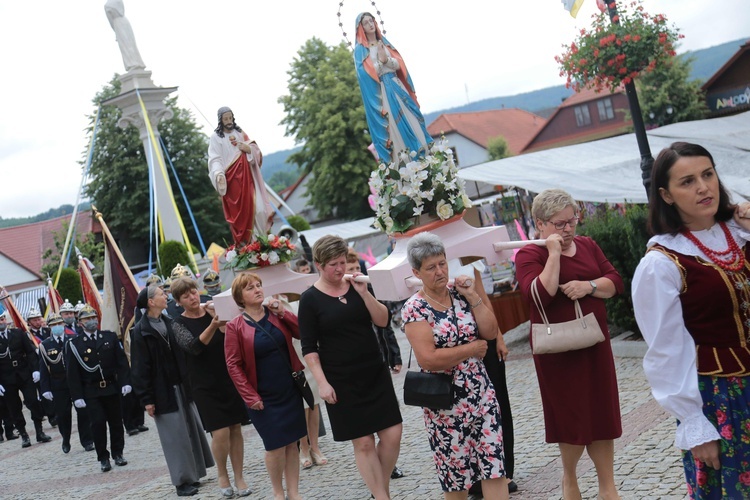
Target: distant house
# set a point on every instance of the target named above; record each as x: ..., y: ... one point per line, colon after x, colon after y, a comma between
x: 728, y: 90
x: 22, y: 248
x: 295, y: 198
x: 583, y: 117
x: 470, y: 133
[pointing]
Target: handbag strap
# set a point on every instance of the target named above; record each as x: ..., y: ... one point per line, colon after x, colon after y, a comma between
x: 538, y: 303
x: 455, y: 323
x: 258, y: 327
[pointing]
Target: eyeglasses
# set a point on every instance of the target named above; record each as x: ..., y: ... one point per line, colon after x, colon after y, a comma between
x: 560, y: 224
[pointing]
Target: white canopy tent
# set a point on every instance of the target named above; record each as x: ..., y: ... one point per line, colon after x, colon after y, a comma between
x: 609, y: 170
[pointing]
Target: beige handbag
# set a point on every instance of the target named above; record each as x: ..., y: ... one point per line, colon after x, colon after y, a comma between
x: 549, y: 338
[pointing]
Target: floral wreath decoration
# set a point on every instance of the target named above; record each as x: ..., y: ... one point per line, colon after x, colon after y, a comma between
x: 263, y: 251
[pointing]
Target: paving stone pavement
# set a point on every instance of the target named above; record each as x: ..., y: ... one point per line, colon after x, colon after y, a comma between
x: 646, y: 463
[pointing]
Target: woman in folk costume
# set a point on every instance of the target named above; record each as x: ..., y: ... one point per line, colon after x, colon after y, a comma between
x: 391, y: 106
x: 691, y: 297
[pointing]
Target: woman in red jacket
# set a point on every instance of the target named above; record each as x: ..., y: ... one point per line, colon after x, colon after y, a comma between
x: 260, y: 360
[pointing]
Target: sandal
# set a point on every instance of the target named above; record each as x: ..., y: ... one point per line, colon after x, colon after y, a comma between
x: 305, y: 462
x: 318, y: 458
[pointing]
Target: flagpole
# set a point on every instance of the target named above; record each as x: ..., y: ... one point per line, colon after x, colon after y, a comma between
x: 11, y: 307
x: 108, y: 235
x: 86, y: 274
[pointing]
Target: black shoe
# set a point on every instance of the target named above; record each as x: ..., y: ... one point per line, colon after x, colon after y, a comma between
x: 25, y: 441
x: 106, y: 466
x: 66, y: 448
x: 186, y: 490
x: 142, y: 428
x: 41, y: 437
x: 52, y: 421
x: 512, y: 486
x: 120, y: 461
x: 397, y: 473
x: 10, y: 436
x: 132, y: 432
x: 89, y: 447
x: 196, y: 484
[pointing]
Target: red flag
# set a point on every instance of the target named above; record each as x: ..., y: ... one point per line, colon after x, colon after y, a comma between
x: 120, y: 291
x: 90, y: 293
x: 54, y: 299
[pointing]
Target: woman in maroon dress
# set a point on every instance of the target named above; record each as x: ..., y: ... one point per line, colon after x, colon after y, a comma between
x: 578, y: 388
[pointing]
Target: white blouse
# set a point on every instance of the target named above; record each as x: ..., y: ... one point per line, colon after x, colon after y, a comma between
x: 670, y: 362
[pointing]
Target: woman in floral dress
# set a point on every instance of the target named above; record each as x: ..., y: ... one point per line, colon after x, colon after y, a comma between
x: 448, y: 329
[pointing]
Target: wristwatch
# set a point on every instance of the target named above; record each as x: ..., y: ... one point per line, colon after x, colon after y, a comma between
x: 593, y: 287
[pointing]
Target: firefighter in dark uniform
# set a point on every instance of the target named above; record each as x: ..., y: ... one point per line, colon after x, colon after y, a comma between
x: 68, y: 314
x: 98, y: 375
x: 36, y: 328
x: 54, y: 383
x: 18, y: 372
x: 211, y: 283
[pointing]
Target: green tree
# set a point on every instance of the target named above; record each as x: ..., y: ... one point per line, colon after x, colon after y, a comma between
x: 172, y: 253
x: 283, y: 179
x: 667, y: 95
x: 324, y: 111
x: 623, y: 240
x: 69, y: 285
x: 86, y: 243
x: 119, y: 173
x: 497, y: 148
x: 298, y: 222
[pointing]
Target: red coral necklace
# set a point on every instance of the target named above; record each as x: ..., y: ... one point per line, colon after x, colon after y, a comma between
x: 731, y: 259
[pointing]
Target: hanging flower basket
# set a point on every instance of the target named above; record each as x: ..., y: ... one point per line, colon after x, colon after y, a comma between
x: 414, y: 185
x: 613, y: 53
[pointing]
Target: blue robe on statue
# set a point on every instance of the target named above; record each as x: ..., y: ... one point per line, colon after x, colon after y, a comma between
x: 393, y: 115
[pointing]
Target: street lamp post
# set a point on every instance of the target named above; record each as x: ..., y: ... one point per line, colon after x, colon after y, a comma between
x: 647, y: 161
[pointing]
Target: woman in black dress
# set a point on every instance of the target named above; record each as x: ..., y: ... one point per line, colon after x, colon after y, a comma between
x: 198, y: 332
x: 341, y: 350
x: 260, y: 360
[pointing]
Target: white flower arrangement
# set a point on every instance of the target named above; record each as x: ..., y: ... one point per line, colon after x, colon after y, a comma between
x: 414, y: 185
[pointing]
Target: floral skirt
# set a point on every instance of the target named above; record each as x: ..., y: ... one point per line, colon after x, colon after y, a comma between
x: 726, y: 404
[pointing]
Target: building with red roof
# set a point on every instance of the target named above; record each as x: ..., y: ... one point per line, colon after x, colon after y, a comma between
x: 470, y: 133
x: 22, y: 248
x: 583, y: 117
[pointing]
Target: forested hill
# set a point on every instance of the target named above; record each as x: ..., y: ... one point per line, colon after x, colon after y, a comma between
x: 705, y: 63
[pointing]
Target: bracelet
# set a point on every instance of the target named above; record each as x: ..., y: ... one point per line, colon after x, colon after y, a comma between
x: 479, y: 303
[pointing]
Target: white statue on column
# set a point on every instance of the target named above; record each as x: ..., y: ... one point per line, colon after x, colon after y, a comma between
x: 124, y: 33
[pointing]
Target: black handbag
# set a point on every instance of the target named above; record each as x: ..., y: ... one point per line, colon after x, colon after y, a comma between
x: 300, y: 381
x: 429, y: 390
x: 304, y: 388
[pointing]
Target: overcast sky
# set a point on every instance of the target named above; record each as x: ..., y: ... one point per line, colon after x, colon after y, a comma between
x: 57, y: 55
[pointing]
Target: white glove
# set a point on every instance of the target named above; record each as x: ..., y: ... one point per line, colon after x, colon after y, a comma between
x: 47, y: 395
x: 35, y: 377
x: 79, y: 403
x: 2, y: 390
x: 126, y: 390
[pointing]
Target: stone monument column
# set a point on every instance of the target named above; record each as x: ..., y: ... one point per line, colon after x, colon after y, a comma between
x: 137, y: 80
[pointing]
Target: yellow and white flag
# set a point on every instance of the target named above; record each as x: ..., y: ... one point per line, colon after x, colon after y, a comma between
x: 572, y: 6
